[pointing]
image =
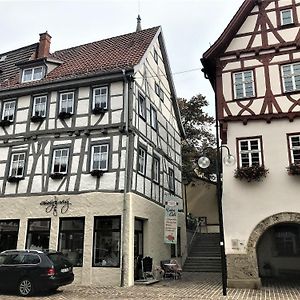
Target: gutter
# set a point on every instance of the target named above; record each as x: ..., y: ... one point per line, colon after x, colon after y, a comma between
x: 126, y: 205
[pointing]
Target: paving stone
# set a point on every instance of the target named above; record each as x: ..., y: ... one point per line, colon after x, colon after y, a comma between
x: 204, y: 286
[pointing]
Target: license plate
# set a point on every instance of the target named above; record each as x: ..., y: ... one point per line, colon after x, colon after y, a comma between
x: 65, y: 270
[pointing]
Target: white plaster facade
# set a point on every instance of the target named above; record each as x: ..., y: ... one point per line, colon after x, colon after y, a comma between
x: 122, y: 190
x: 256, y: 41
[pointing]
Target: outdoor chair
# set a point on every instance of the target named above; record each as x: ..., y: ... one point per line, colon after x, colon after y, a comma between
x: 177, y: 268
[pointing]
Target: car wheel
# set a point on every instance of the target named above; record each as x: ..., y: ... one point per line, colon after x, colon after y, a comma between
x: 25, y: 287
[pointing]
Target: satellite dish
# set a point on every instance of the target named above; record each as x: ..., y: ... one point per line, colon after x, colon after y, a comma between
x: 229, y: 160
x: 203, y: 162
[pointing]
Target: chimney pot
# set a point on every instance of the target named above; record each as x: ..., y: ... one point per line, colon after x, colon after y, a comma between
x: 44, y: 45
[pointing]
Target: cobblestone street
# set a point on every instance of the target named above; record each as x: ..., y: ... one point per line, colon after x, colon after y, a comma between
x: 191, y: 286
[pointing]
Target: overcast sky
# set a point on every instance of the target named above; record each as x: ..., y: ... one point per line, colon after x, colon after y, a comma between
x: 189, y: 27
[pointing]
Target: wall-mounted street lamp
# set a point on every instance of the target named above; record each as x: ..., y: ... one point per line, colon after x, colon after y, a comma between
x: 204, y: 163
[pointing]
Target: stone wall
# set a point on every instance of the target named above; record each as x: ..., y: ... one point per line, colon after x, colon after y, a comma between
x: 242, y: 269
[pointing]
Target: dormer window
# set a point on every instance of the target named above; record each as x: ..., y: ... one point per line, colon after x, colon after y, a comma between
x: 32, y: 74
x: 286, y: 17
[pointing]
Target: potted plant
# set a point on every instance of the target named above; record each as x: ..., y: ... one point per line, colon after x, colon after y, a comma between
x: 14, y: 178
x: 251, y: 173
x: 37, y: 118
x: 5, y: 123
x: 64, y: 115
x: 293, y: 169
x: 57, y: 175
x: 97, y: 173
x: 97, y: 110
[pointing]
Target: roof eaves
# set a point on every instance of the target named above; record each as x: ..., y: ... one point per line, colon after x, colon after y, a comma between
x: 231, y: 29
x: 172, y: 86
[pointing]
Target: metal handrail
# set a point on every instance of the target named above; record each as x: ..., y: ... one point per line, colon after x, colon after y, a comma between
x: 196, y: 230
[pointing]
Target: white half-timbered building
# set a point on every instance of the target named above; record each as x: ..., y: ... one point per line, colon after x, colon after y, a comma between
x: 255, y: 72
x: 89, y: 152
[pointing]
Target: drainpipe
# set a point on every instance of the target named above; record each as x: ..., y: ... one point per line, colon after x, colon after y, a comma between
x: 126, y: 204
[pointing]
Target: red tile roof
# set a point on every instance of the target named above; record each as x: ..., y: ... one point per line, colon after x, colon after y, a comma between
x: 112, y: 54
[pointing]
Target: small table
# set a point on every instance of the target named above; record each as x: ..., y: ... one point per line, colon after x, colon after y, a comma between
x: 171, y: 269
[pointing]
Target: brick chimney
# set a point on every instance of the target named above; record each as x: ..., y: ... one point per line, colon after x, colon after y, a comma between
x: 44, y: 46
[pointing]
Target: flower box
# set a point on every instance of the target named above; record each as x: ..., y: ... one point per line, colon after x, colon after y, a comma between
x: 14, y: 179
x: 57, y: 175
x: 97, y: 110
x: 37, y: 119
x: 293, y: 169
x: 64, y: 115
x: 253, y: 173
x: 97, y: 173
x: 5, y: 123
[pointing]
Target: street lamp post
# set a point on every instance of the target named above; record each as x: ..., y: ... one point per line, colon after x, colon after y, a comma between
x: 204, y: 163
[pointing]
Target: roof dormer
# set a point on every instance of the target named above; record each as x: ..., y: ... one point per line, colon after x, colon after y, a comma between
x: 40, y: 64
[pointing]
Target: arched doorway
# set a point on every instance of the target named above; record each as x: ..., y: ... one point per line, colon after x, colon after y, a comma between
x: 242, y: 269
x: 278, y: 251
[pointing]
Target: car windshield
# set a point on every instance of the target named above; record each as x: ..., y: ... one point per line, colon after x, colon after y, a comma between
x: 59, y: 259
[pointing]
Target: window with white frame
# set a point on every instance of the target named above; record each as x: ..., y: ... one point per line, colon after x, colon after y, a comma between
x: 32, y: 74
x: 155, y: 169
x: 291, y: 77
x: 39, y: 106
x: 142, y: 160
x: 171, y: 180
x: 243, y: 84
x: 60, y: 161
x: 100, y: 97
x: 250, y: 152
x: 17, y: 165
x: 286, y: 17
x: 153, y: 120
x: 8, y: 111
x: 294, y: 146
x: 142, y: 106
x: 67, y: 102
x: 99, y: 157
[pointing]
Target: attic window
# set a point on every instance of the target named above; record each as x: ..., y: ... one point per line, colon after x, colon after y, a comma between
x: 2, y: 58
x: 32, y: 74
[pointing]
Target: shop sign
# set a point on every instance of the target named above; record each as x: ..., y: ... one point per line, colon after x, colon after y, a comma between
x: 170, y: 230
x: 55, y: 204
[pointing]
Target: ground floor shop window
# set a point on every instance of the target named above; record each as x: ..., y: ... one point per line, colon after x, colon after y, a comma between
x: 107, y: 241
x: 38, y: 234
x: 8, y: 234
x: 71, y: 233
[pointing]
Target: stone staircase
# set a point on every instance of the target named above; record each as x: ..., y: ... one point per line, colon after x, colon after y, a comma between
x: 204, y: 254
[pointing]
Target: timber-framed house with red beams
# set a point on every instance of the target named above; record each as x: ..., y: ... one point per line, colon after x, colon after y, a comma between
x: 254, y: 69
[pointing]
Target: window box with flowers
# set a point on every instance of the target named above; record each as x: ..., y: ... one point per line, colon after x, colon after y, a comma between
x: 294, y: 169
x: 253, y: 173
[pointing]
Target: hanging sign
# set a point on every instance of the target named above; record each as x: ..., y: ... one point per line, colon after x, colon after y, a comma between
x: 170, y: 230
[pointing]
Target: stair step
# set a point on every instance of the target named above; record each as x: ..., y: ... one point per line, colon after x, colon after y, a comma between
x: 204, y: 254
